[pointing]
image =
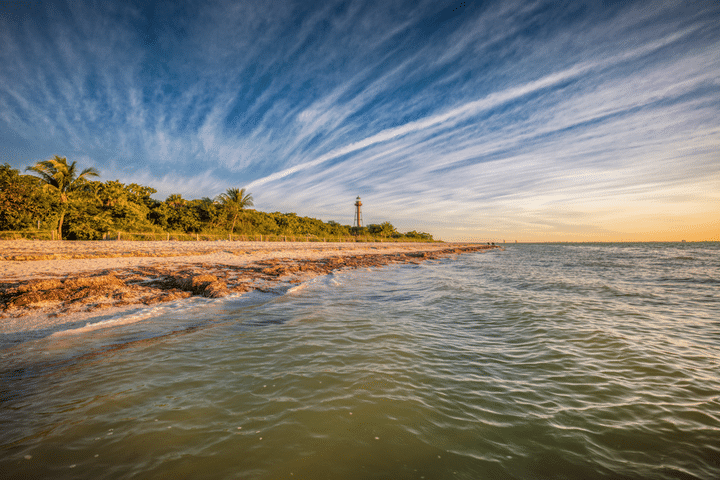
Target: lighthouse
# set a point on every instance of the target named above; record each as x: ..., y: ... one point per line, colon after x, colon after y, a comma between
x: 358, y: 213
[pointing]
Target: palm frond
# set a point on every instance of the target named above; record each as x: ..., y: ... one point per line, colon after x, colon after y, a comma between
x: 44, y: 174
x: 58, y: 174
x: 89, y: 172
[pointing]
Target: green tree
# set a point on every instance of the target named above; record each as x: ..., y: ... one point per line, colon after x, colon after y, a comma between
x: 176, y: 200
x: 209, y: 212
x: 419, y: 235
x: 62, y: 179
x: 334, y: 228
x: 110, y: 206
x: 23, y: 203
x: 177, y: 214
x: 287, y: 222
x: 86, y: 219
x: 385, y: 229
x: 234, y: 201
x: 359, y: 231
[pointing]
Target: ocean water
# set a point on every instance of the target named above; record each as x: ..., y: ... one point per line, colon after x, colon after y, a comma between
x: 546, y: 361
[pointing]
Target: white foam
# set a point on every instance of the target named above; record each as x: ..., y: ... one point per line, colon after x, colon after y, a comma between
x: 111, y: 322
x: 297, y: 288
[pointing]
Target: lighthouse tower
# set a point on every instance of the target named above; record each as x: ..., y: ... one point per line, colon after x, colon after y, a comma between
x: 358, y: 213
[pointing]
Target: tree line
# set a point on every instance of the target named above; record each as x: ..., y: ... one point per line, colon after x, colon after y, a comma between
x: 56, y: 196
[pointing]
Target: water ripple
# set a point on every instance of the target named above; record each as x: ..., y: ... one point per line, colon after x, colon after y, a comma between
x: 542, y: 361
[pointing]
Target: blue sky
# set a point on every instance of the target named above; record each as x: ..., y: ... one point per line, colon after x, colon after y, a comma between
x: 526, y: 120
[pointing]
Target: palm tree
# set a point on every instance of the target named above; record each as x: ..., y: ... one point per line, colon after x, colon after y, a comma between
x: 61, y: 177
x: 234, y: 201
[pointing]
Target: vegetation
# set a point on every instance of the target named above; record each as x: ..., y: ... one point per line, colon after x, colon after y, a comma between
x: 23, y: 202
x: 80, y: 209
x: 61, y: 180
x: 235, y: 201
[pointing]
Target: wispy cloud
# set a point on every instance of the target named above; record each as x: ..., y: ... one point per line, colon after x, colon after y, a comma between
x: 534, y: 119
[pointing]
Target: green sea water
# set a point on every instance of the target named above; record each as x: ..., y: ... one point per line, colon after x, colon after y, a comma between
x: 536, y: 362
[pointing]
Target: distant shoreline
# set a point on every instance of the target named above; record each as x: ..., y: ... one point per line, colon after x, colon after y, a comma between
x: 45, y: 283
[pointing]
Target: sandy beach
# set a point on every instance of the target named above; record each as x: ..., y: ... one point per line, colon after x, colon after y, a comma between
x: 44, y: 283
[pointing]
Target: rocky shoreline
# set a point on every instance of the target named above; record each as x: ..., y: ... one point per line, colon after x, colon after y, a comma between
x: 94, y: 291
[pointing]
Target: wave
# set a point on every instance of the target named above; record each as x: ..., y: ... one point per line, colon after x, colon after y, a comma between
x: 111, y: 322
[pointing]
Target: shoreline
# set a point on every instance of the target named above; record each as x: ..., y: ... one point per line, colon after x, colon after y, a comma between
x: 47, y: 284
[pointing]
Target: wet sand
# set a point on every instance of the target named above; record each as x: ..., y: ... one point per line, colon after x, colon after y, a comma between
x: 44, y: 283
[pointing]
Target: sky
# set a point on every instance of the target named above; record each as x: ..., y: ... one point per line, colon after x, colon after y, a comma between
x: 473, y: 121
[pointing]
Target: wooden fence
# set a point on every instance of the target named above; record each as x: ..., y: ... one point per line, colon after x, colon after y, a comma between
x: 135, y: 236
x: 28, y: 234
x: 154, y: 236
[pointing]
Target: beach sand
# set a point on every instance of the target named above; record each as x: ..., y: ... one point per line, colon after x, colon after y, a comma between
x: 45, y: 284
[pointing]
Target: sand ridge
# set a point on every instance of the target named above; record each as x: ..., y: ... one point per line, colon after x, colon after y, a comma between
x: 28, y: 259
